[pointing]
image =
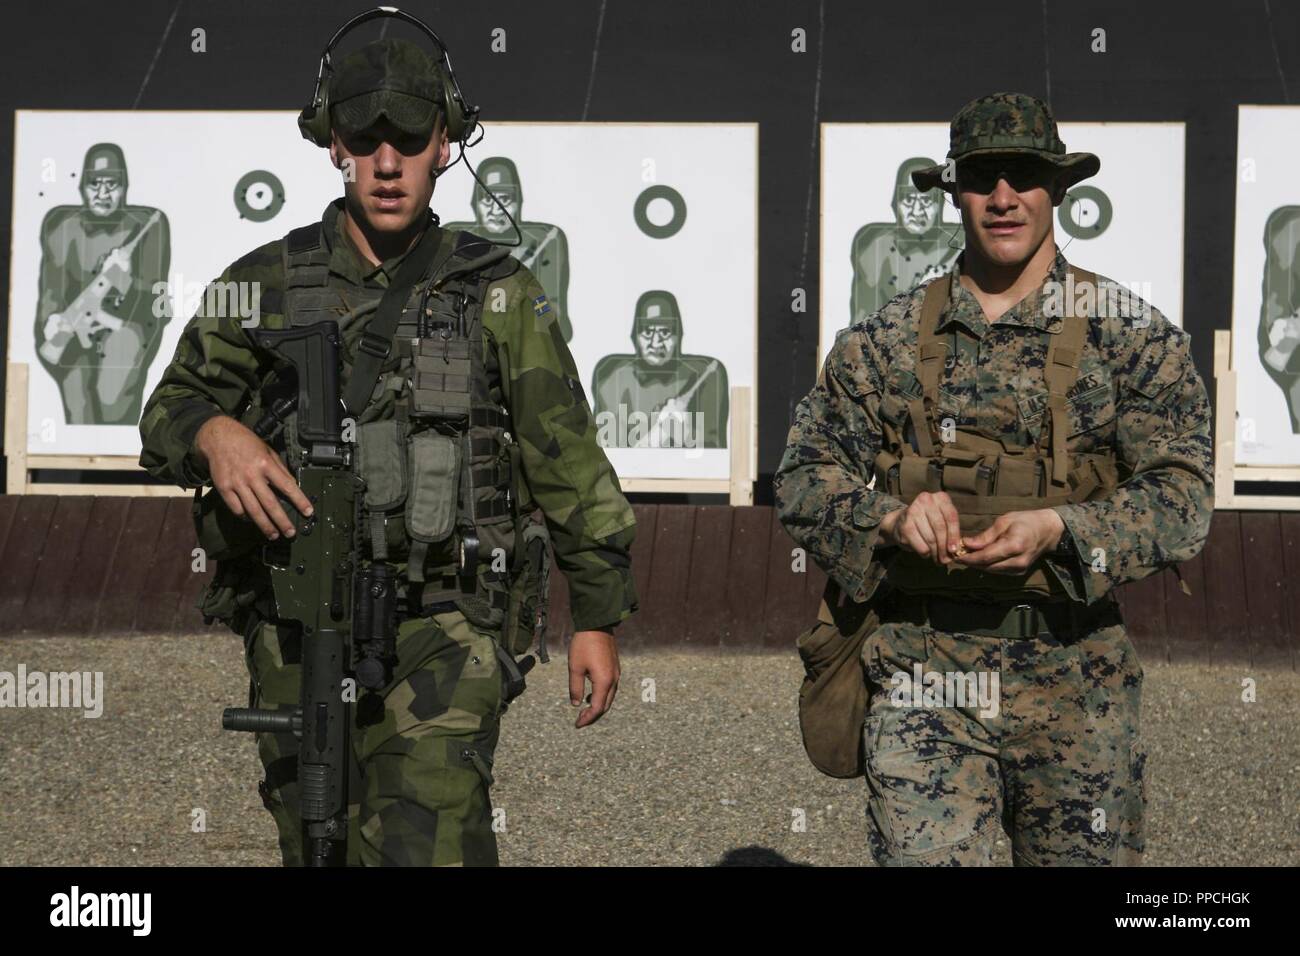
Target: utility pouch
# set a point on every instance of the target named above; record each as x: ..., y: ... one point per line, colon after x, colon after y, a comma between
x: 917, y: 476
x: 440, y: 377
x: 435, y: 477
x: 379, y: 451
x: 961, y: 470
x: 1018, y: 477
x: 380, y: 462
x: 237, y: 592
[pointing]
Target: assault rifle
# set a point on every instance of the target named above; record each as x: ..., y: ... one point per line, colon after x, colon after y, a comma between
x: 345, y: 613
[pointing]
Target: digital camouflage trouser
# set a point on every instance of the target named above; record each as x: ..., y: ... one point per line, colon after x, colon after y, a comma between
x: 422, y: 754
x: 1059, y: 766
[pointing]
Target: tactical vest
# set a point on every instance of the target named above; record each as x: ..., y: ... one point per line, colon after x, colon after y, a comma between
x: 444, y: 490
x: 987, y: 475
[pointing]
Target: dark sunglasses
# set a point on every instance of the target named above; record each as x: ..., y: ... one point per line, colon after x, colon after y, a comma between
x: 981, y: 175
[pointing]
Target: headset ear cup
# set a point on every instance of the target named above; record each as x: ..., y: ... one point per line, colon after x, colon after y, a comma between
x: 455, y: 122
x: 451, y: 108
x: 468, y: 124
x: 314, y: 121
x: 308, y: 126
x: 322, y: 118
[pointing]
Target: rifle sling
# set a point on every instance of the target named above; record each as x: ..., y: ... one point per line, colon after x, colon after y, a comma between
x: 376, y: 342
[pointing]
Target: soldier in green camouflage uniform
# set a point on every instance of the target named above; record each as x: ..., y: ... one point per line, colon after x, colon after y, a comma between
x: 972, y: 578
x: 423, y: 750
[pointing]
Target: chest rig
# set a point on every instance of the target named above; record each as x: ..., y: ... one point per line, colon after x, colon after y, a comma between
x: 432, y: 438
x: 986, y: 475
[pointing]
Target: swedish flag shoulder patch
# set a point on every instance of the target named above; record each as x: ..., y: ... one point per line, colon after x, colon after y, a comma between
x: 541, y: 306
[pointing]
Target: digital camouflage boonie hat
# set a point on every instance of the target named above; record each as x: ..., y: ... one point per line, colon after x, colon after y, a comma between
x: 1012, y: 123
x: 392, y: 78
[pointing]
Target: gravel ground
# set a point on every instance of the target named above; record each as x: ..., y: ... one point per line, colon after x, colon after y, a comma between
x: 700, y: 763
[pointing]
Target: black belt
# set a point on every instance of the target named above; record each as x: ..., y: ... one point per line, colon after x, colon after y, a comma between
x: 1064, y: 620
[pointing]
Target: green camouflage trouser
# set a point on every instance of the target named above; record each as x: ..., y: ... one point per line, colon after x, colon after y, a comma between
x: 422, y: 753
x: 1058, y: 766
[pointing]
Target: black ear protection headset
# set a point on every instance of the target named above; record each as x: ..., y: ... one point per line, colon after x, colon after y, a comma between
x: 461, y: 118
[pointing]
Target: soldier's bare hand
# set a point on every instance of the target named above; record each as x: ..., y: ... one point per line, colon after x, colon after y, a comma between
x: 1014, y: 541
x: 246, y: 471
x: 929, y: 526
x: 594, y: 655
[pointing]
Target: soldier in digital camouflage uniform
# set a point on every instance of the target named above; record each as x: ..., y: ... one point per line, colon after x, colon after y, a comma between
x: 1028, y: 458
x: 419, y: 794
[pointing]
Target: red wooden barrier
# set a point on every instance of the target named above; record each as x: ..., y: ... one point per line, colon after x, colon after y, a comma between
x: 706, y: 576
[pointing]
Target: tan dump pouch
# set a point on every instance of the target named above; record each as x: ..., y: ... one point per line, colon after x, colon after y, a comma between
x: 833, y: 698
x: 435, y: 479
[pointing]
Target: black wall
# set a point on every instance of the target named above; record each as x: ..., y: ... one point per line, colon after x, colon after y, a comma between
x: 673, y: 60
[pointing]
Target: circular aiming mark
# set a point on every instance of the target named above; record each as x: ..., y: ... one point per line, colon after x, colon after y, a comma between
x: 1086, y: 212
x: 675, y: 222
x: 259, y: 195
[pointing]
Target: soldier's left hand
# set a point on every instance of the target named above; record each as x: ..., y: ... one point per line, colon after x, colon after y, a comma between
x: 594, y: 655
x: 1013, y: 542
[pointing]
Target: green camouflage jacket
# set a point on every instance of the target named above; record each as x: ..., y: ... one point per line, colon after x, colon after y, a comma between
x: 1137, y: 392
x: 216, y: 369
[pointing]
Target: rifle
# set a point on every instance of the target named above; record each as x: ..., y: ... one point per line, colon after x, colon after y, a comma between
x: 85, y: 314
x: 346, y: 614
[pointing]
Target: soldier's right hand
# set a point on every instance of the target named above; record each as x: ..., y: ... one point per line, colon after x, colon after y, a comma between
x: 929, y: 526
x: 247, y: 472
